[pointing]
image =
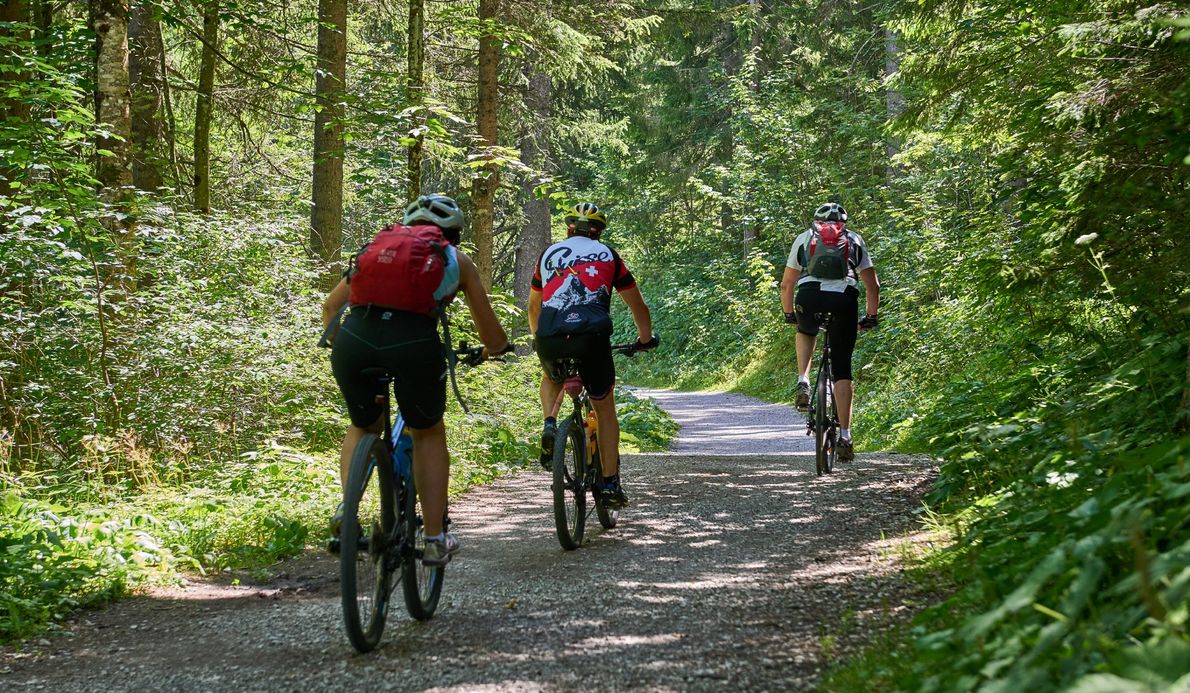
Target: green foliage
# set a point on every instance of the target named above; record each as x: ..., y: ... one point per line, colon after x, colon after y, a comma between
x: 1034, y: 334
x: 644, y: 426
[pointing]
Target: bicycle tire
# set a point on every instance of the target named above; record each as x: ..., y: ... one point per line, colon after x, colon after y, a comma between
x: 365, y: 576
x: 824, y: 428
x: 422, y: 583
x: 608, y: 517
x: 570, y: 494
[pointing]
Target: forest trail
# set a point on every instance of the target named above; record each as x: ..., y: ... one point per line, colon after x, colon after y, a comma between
x: 737, y: 570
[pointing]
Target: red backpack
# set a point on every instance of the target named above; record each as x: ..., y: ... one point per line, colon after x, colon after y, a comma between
x: 404, y: 268
x: 829, y: 252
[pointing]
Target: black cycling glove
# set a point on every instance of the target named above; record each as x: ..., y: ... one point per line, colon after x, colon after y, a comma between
x: 868, y: 322
x: 791, y: 318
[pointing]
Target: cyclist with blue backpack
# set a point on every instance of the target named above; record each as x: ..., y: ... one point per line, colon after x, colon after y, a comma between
x: 397, y: 289
x: 826, y: 264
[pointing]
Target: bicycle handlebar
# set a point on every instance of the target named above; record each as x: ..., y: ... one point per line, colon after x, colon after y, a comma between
x: 630, y: 348
x: 473, y: 356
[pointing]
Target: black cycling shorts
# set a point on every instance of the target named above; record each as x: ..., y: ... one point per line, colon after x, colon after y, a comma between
x: 593, y: 353
x: 844, y: 326
x: 407, y: 344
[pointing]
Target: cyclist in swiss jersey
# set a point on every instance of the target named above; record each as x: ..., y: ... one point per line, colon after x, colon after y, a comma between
x: 570, y: 317
x: 825, y: 266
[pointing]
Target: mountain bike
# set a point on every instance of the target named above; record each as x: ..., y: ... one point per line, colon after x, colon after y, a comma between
x: 577, y: 465
x: 822, y: 420
x: 381, y: 537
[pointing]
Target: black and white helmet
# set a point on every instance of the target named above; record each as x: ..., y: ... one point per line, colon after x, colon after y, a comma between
x: 831, y: 211
x: 439, y: 210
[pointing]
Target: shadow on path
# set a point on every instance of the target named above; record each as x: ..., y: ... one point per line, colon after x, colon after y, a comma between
x: 746, y: 571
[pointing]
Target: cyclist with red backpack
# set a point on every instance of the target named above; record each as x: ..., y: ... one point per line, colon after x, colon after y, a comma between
x: 826, y: 264
x: 397, y: 288
x: 570, y: 317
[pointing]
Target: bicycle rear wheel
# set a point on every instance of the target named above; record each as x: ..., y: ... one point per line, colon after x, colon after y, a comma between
x: 366, y: 580
x: 825, y: 432
x: 423, y: 583
x: 608, y: 517
x: 570, y: 493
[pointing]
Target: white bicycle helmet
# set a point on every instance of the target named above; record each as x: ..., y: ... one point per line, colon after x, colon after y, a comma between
x: 831, y: 211
x: 439, y: 210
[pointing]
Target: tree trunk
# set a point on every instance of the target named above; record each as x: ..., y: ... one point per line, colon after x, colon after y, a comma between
x: 326, y: 219
x: 894, y: 102
x: 487, y: 180
x: 1183, y: 423
x: 535, y: 235
x: 729, y: 54
x: 146, y: 62
x: 43, y: 18
x: 14, y: 111
x: 203, y: 107
x: 109, y: 20
x: 415, y: 96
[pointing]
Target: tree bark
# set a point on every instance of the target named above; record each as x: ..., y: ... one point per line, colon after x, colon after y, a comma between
x: 729, y: 55
x: 416, y: 91
x: 146, y: 72
x: 109, y: 20
x: 14, y: 111
x: 535, y: 235
x: 487, y: 180
x: 894, y: 101
x: 1183, y: 423
x: 326, y: 218
x: 204, y: 106
x: 43, y: 19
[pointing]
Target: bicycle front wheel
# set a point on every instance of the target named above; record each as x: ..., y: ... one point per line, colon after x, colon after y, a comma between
x: 368, y: 520
x: 570, y: 493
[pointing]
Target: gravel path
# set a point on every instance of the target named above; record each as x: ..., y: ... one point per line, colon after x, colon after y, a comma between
x: 740, y: 571
x: 722, y: 423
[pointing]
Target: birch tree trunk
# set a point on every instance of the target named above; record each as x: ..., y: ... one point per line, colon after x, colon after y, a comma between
x: 535, y: 235
x: 326, y: 219
x: 109, y: 20
x: 204, y: 106
x: 487, y: 180
x: 146, y: 64
x: 416, y: 90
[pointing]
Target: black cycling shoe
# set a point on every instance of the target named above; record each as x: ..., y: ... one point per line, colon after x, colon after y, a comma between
x: 336, y: 523
x: 548, y: 433
x: 845, y: 450
x: 612, y: 495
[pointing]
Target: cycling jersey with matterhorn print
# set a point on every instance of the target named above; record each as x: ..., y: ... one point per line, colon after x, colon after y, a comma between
x: 576, y: 277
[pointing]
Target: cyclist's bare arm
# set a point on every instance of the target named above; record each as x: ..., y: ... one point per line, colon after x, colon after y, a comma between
x: 871, y: 290
x: 491, y: 333
x: 788, y: 286
x: 534, y: 310
x: 334, y: 302
x: 640, y: 313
